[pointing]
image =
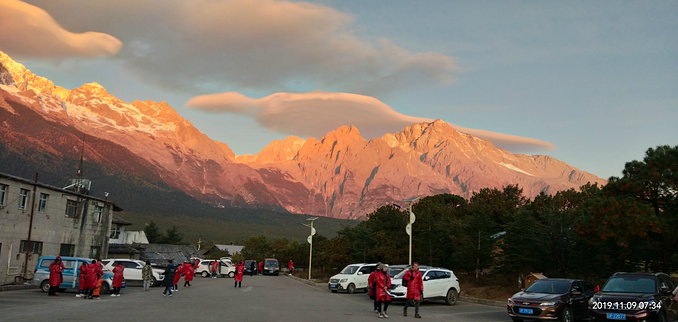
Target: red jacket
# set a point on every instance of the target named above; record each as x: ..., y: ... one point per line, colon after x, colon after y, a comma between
x: 239, y: 271
x: 188, y: 272
x: 177, y: 274
x: 415, y: 285
x: 261, y: 266
x: 370, y: 282
x: 215, y: 265
x: 55, y: 270
x: 383, y: 284
x: 290, y: 265
x: 94, y: 271
x: 82, y: 277
x: 118, y: 275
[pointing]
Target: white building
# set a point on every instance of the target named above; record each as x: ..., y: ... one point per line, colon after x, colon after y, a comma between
x: 38, y: 219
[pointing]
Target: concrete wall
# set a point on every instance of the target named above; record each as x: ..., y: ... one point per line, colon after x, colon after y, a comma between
x: 51, y: 226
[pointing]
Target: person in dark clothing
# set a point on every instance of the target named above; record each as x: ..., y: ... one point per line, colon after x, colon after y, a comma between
x: 252, y: 268
x: 168, y: 282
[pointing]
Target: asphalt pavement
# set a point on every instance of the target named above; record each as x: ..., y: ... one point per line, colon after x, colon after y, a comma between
x: 261, y: 298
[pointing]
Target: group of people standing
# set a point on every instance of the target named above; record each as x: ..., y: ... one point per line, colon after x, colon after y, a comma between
x: 91, y: 277
x: 380, y: 284
x: 173, y: 275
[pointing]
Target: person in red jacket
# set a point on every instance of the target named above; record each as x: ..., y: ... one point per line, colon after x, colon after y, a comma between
x: 261, y: 267
x: 372, y: 283
x: 415, y: 287
x: 196, y: 264
x: 117, y: 278
x: 94, y: 272
x: 82, y: 280
x: 188, y: 274
x: 215, y: 266
x: 55, y: 276
x: 290, y: 266
x: 177, y: 277
x: 239, y: 272
x: 382, y: 292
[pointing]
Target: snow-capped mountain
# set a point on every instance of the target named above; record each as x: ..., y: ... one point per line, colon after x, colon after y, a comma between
x: 340, y: 175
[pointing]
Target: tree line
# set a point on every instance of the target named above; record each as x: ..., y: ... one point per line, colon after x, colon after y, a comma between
x: 630, y: 224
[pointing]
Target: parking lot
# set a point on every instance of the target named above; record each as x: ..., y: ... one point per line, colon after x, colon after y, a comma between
x: 261, y: 298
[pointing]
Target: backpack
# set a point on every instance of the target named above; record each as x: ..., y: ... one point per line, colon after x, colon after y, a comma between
x: 411, y: 278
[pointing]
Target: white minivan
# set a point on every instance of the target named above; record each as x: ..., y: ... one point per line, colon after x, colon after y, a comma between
x: 353, y: 277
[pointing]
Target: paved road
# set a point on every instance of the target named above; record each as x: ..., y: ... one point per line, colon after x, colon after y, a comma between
x: 261, y: 298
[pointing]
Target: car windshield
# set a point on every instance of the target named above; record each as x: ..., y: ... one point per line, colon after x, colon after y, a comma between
x: 350, y: 269
x: 630, y: 284
x: 549, y: 287
x: 393, y: 271
x: 272, y: 263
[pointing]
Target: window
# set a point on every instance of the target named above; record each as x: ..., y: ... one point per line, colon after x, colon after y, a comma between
x: 35, y: 248
x: 94, y: 251
x: 115, y: 231
x: 3, y: 191
x: 42, y: 205
x: 96, y: 216
x: 67, y: 250
x: 71, y: 208
x: 23, y: 198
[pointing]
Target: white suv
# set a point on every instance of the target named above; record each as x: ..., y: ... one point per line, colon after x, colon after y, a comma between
x: 439, y: 283
x: 353, y: 277
x: 204, y: 269
x: 133, y: 268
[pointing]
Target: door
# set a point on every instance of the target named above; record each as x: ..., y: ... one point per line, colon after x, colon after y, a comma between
x: 132, y: 270
x: 69, y: 273
x: 362, y: 276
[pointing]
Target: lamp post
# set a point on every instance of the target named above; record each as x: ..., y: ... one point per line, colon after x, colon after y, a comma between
x: 408, y: 228
x: 309, y: 239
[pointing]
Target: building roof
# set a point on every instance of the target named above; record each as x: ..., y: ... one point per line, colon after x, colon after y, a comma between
x: 231, y: 249
x: 118, y: 220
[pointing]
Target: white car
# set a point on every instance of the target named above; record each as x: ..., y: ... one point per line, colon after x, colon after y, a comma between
x: 133, y: 268
x: 204, y: 269
x: 353, y: 277
x: 439, y: 283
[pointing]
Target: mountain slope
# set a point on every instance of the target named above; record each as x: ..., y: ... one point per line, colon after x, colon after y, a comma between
x: 340, y: 175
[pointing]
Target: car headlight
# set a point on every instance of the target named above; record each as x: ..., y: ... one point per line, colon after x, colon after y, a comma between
x: 510, y: 301
x: 552, y: 303
x: 343, y: 280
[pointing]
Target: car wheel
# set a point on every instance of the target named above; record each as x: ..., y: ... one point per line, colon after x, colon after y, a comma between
x: 566, y: 315
x: 105, y: 289
x: 44, y: 286
x: 334, y: 291
x: 154, y: 282
x: 204, y: 274
x: 452, y: 296
x: 662, y: 316
x: 351, y: 288
x: 231, y: 274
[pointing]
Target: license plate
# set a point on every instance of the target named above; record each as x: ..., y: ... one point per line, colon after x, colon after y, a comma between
x: 333, y: 285
x: 616, y: 316
x: 523, y: 310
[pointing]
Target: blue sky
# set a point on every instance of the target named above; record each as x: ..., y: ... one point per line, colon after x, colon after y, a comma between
x: 598, y: 80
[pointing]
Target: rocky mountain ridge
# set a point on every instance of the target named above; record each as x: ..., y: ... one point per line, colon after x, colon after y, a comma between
x: 340, y: 175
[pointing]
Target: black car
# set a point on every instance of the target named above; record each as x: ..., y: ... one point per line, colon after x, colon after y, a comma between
x: 551, y: 299
x: 249, y: 268
x: 271, y: 267
x: 636, y: 297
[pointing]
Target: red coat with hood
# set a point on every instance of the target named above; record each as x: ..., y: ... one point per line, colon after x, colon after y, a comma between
x: 177, y: 275
x: 82, y: 276
x: 415, y: 285
x: 215, y: 265
x: 370, y: 282
x: 118, y: 275
x: 239, y: 271
x: 188, y: 272
x: 93, y: 272
x: 383, y: 281
x: 55, y: 270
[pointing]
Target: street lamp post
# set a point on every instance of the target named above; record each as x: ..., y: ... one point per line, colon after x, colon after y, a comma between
x: 408, y: 228
x: 309, y: 239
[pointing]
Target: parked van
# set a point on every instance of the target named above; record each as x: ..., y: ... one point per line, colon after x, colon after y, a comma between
x: 71, y: 273
x: 353, y: 277
x: 271, y: 267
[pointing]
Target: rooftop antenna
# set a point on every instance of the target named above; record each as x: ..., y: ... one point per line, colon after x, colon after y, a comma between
x: 82, y: 155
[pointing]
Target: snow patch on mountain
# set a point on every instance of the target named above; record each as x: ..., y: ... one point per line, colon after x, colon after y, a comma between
x: 514, y: 168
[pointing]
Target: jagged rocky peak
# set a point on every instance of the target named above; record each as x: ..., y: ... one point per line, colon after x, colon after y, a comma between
x: 5, y: 77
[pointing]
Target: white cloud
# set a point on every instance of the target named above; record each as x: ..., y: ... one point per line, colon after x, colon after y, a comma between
x: 265, y: 45
x: 317, y: 113
x: 28, y: 31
